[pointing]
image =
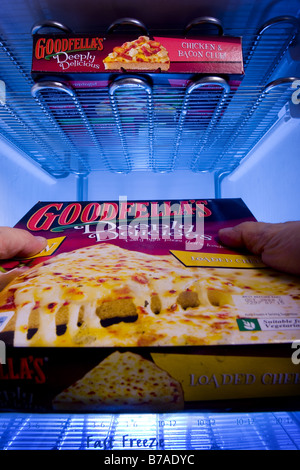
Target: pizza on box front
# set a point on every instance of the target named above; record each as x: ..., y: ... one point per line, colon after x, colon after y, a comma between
x: 140, y: 54
x: 105, y: 295
x: 122, y: 381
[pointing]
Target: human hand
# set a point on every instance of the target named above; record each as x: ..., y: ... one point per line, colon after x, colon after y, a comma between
x: 19, y: 243
x: 277, y: 244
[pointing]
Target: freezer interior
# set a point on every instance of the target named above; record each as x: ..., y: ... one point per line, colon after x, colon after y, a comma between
x: 200, y: 137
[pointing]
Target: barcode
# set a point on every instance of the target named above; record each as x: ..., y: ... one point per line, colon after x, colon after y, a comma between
x: 263, y: 300
x: 265, y: 304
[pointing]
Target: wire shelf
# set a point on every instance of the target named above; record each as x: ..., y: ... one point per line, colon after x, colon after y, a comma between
x: 146, y: 122
x: 151, y: 432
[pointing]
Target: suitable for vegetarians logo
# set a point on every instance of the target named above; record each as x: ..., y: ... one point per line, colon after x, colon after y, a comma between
x: 248, y: 324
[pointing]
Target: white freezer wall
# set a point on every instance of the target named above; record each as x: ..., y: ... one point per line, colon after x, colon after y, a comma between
x: 269, y: 178
x: 147, y: 185
x: 22, y: 184
x: 268, y: 181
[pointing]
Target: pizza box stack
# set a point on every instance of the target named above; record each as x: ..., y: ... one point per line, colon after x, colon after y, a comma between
x: 86, y: 60
x: 136, y: 306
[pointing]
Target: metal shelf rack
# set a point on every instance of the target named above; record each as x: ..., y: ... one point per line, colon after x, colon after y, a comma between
x: 152, y: 432
x: 147, y: 122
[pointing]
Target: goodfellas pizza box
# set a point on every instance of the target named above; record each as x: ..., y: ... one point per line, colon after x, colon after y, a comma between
x: 91, y: 55
x: 136, y: 306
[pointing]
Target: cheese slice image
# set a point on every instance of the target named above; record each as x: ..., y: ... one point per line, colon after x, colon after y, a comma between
x: 122, y: 382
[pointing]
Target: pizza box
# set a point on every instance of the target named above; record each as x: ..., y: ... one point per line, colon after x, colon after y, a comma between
x: 136, y: 306
x: 76, y: 57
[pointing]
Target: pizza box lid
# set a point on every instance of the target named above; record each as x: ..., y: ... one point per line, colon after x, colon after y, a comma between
x: 210, y: 295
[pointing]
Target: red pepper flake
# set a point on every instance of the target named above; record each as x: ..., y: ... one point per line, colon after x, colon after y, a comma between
x: 146, y: 51
x: 139, y: 41
x: 10, y: 303
x: 172, y: 308
x: 52, y: 305
x: 142, y: 310
x: 219, y: 325
x: 223, y: 315
x: 140, y: 278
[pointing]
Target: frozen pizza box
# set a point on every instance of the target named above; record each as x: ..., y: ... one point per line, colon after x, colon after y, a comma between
x: 89, y: 55
x: 136, y: 306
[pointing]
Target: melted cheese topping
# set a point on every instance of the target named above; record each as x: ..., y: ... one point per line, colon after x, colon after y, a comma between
x: 140, y: 50
x: 158, y: 300
x: 122, y: 381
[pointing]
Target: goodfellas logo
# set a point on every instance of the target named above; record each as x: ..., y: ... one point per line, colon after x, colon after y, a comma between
x: 46, y: 48
x: 24, y: 368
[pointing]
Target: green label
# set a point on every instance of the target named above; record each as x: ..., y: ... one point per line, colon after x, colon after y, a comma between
x: 248, y: 324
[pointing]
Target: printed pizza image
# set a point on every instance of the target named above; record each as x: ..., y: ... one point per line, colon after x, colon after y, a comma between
x: 141, y: 54
x: 105, y: 295
x: 122, y: 381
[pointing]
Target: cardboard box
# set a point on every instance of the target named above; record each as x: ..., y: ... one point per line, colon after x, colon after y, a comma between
x: 91, y: 55
x: 136, y: 306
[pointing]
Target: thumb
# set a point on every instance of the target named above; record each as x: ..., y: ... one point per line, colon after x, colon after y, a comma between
x: 250, y: 235
x: 19, y: 243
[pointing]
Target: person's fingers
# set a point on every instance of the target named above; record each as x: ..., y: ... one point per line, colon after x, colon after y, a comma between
x: 277, y: 244
x: 19, y: 243
x: 250, y: 235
